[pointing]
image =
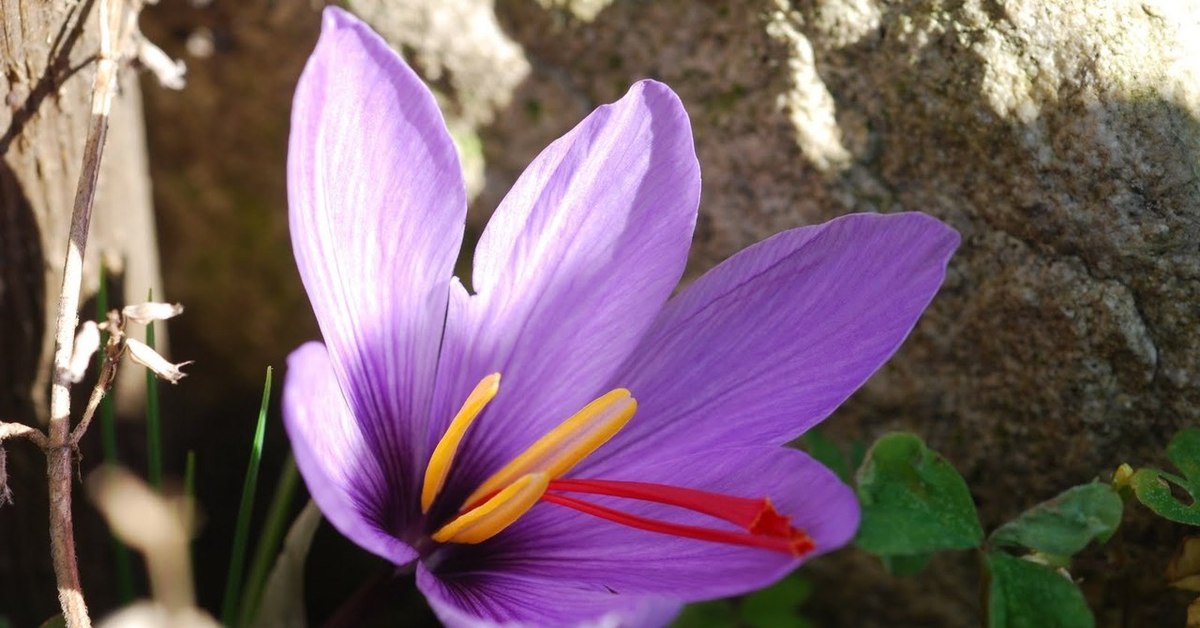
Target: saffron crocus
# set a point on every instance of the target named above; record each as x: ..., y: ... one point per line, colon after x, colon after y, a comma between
x: 569, y: 443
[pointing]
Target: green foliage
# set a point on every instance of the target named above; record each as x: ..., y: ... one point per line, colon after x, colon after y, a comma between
x: 189, y: 476
x: 108, y: 425
x: 269, y: 540
x: 237, y: 559
x: 282, y: 602
x: 715, y: 614
x: 1024, y: 594
x: 776, y: 606
x: 913, y: 501
x: 122, y: 560
x: 189, y: 489
x: 906, y: 564
x: 1153, y: 487
x: 825, y: 451
x: 153, y: 418
x: 1067, y: 523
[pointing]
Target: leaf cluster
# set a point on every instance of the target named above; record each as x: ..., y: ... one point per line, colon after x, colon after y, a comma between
x: 915, y: 504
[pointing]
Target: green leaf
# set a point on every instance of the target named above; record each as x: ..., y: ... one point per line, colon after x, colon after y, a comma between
x: 1067, y: 523
x: 777, y: 605
x: 189, y: 487
x: 283, y: 595
x: 58, y: 621
x: 269, y: 539
x: 237, y: 558
x: 825, y: 451
x: 108, y: 426
x: 857, y: 453
x: 1153, y: 487
x: 1024, y: 594
x: 122, y: 560
x: 154, y: 466
x: 715, y: 614
x: 1184, y: 452
x: 913, y: 501
x: 906, y: 564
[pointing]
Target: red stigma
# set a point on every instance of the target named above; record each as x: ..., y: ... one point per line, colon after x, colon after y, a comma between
x: 760, y: 524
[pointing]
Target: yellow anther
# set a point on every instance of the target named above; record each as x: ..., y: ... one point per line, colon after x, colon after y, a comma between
x: 573, y: 440
x: 443, y: 454
x: 489, y: 519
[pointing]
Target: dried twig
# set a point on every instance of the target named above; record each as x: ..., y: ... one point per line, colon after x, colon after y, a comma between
x: 119, y: 343
x: 119, y: 36
x: 15, y: 430
x: 115, y: 27
x: 20, y: 430
x: 108, y: 373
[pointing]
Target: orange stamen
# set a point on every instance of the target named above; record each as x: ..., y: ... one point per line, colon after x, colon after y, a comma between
x: 535, y: 474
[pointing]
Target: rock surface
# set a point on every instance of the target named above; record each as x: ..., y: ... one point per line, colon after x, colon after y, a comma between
x: 1061, y: 138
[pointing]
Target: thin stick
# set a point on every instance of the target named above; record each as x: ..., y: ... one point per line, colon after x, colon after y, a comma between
x: 107, y: 374
x: 60, y: 452
x: 20, y: 430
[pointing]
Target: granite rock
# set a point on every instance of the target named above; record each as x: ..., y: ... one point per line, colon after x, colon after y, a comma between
x: 1061, y: 138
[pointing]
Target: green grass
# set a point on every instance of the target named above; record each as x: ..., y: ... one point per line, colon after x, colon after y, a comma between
x: 237, y: 559
x: 122, y: 560
x: 189, y: 486
x: 269, y: 540
x: 153, y: 420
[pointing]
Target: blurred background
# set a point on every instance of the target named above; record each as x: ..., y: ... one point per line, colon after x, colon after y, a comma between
x: 1060, y: 138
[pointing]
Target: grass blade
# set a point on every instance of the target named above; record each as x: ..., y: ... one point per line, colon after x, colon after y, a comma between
x: 108, y: 443
x: 108, y: 425
x: 237, y: 560
x: 153, y: 423
x: 269, y: 540
x: 189, y: 489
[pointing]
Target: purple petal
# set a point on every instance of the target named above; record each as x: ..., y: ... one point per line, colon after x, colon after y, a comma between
x: 342, y: 473
x: 377, y: 213
x: 770, y: 342
x: 555, y: 552
x: 494, y: 600
x: 572, y: 269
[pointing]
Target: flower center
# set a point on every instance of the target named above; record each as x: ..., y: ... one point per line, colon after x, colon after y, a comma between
x: 534, y: 476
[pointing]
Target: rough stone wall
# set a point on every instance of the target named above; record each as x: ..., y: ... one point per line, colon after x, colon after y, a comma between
x: 1061, y: 138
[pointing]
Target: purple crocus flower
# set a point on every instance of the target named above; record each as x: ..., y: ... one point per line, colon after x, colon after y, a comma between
x: 570, y: 443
